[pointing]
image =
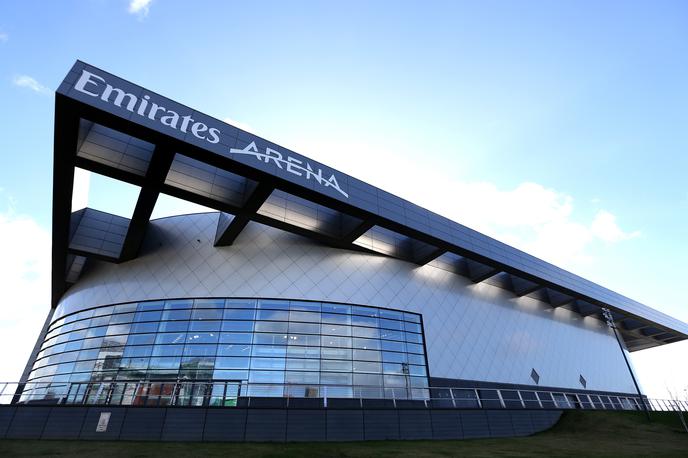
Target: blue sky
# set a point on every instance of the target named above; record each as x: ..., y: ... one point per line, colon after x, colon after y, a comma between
x: 558, y: 127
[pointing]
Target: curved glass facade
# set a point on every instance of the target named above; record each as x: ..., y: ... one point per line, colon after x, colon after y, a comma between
x: 268, y: 347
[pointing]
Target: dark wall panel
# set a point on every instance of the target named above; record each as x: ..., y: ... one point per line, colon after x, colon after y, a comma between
x: 523, y: 425
x: 306, y: 425
x: 28, y: 423
x: 183, y: 424
x: 499, y: 422
x: 64, y: 423
x: 143, y: 424
x: 345, y: 425
x: 474, y: 424
x: 446, y: 424
x: 262, y: 424
x: 225, y: 425
x: 381, y: 424
x: 266, y: 425
x: 88, y: 428
x: 6, y: 414
x: 415, y: 424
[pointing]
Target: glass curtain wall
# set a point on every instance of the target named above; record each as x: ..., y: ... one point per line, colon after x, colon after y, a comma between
x: 268, y: 347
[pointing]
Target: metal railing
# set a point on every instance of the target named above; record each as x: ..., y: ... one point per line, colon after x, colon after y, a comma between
x: 231, y: 393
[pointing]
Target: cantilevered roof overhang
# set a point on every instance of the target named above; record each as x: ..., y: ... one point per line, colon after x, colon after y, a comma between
x: 118, y: 129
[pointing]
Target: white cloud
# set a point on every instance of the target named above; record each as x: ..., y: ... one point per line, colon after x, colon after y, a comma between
x: 529, y: 216
x: 139, y: 7
x: 4, y: 37
x: 25, y: 286
x: 240, y: 125
x: 30, y: 83
x: 605, y: 228
x: 82, y: 182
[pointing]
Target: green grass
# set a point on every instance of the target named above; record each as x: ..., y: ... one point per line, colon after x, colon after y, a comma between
x: 610, y: 434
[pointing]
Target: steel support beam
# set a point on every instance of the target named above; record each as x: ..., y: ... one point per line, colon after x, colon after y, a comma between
x: 228, y: 231
x: 157, y: 171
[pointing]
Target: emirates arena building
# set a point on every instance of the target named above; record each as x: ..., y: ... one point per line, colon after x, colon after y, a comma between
x: 306, y: 285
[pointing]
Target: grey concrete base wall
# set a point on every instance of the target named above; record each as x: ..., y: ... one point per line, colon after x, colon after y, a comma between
x: 262, y: 425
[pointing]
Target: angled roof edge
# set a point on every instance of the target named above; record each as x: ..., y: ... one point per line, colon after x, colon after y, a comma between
x: 88, y: 93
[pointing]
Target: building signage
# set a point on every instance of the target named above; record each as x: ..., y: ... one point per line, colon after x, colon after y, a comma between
x: 103, y: 422
x: 291, y: 165
x: 96, y: 86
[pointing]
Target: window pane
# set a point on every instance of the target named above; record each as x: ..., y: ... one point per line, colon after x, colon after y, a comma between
x: 365, y: 366
x: 368, y: 379
x: 225, y: 362
x: 303, y: 352
x: 413, y: 327
x: 176, y: 315
x: 414, y: 348
x: 239, y: 314
x: 273, y: 304
x: 335, y: 353
x: 141, y: 339
x: 391, y: 345
x: 306, y: 328
x: 240, y: 303
x: 413, y: 317
x: 237, y: 326
x: 373, y: 333
x: 205, y: 326
x: 165, y: 363
x: 390, y: 357
x: 209, y: 303
x: 269, y: 350
x: 173, y: 326
x: 308, y: 317
x: 234, y: 350
x: 303, y: 364
x: 367, y: 355
x: 266, y: 377
x: 331, y: 341
x: 148, y: 316
x: 364, y: 321
x: 416, y: 359
x: 273, y: 315
x: 271, y: 326
x: 301, y: 339
x: 391, y: 324
x: 201, y: 337
x: 391, y: 314
x: 366, y: 344
x: 168, y: 350
x: 268, y: 363
x: 144, y: 327
x: 302, y: 377
x: 337, y: 308
x: 270, y: 339
x: 335, y: 330
x: 200, y: 350
x: 335, y: 365
x: 236, y: 337
x: 304, y: 306
x: 335, y: 378
x: 206, y: 314
x: 365, y: 311
x: 335, y: 318
x: 230, y: 375
x: 171, y: 338
x: 179, y: 304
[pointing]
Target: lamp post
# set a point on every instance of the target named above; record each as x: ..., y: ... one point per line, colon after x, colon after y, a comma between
x: 607, y: 314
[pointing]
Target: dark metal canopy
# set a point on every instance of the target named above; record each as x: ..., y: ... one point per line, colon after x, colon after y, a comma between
x: 114, y: 128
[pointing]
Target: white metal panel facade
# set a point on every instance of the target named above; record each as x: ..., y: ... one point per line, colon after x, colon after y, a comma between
x: 473, y: 331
